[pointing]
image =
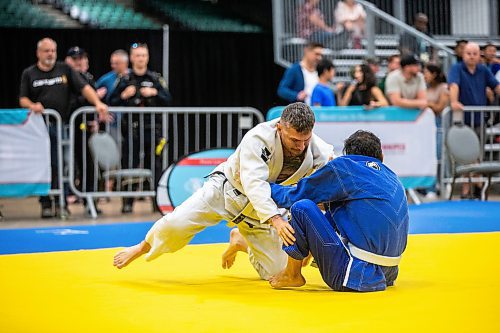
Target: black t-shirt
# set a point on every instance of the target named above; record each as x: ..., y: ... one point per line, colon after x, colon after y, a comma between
x: 53, y: 88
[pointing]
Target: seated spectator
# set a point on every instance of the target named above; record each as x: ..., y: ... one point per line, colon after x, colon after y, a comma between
x: 374, y: 63
x: 363, y: 89
x: 351, y: 16
x: 409, y: 44
x: 393, y: 63
x: 300, y: 79
x: 311, y: 25
x: 323, y: 94
x: 438, y: 98
x: 405, y: 87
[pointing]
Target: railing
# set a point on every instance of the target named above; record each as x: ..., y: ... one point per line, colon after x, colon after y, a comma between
x: 381, y: 36
x: 487, y: 126
x: 150, y: 139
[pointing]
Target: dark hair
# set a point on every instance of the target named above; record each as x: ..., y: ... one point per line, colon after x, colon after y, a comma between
x: 299, y: 116
x: 435, y: 69
x: 313, y: 45
x: 392, y: 57
x: 324, y: 65
x: 369, y: 80
x: 363, y: 143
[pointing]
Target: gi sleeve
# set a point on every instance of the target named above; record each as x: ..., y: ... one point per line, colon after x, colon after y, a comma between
x: 254, y: 175
x: 322, y: 186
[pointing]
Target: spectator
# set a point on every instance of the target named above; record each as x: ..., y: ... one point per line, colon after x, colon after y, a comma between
x: 459, y: 49
x: 300, y: 79
x: 490, y: 58
x: 468, y: 81
x: 119, y: 66
x: 393, y: 63
x: 363, y: 89
x: 438, y: 98
x: 409, y: 44
x: 141, y: 88
x: 311, y: 25
x: 374, y: 63
x: 48, y: 84
x: 351, y: 16
x: 405, y: 87
x: 78, y: 60
x: 322, y: 94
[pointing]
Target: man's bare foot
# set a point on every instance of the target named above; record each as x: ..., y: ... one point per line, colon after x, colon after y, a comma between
x: 284, y: 279
x: 236, y: 243
x: 129, y: 254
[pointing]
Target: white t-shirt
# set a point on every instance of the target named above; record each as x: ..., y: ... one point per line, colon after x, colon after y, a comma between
x: 310, y: 81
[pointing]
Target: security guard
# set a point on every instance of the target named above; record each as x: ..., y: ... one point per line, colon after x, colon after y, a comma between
x: 140, y: 88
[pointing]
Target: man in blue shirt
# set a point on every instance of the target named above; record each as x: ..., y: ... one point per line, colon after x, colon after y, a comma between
x: 358, y: 242
x: 468, y: 81
x: 119, y: 66
x: 299, y: 80
x: 322, y: 94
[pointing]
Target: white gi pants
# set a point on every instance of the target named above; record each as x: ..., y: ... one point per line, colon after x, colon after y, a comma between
x: 206, y: 207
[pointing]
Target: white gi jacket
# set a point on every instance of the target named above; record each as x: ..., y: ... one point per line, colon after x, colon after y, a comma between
x: 257, y: 161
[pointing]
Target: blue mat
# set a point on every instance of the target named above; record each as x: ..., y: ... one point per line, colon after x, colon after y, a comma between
x: 440, y: 217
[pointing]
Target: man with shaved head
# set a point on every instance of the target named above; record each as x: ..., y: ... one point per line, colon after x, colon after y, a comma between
x: 47, y: 85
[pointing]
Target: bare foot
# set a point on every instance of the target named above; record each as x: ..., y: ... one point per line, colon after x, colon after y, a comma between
x: 236, y: 243
x: 284, y: 279
x: 129, y: 254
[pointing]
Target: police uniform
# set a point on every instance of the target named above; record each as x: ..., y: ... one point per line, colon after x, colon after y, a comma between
x: 358, y: 242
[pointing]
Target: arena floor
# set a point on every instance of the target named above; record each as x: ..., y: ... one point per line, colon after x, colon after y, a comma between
x: 448, y: 283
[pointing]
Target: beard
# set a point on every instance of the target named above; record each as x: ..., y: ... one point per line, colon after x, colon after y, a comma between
x: 49, y: 62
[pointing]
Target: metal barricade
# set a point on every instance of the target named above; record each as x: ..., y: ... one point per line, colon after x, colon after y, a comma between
x: 485, y: 120
x: 147, y: 141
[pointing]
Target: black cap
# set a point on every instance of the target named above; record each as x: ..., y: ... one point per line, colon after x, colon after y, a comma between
x: 409, y: 59
x: 76, y: 52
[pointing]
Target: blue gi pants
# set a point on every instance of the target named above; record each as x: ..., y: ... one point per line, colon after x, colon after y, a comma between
x: 314, y: 233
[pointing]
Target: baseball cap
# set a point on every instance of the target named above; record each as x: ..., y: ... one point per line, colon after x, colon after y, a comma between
x: 409, y: 59
x: 75, y: 52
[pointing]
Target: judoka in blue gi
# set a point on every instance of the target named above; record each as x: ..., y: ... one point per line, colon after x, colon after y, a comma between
x: 358, y: 242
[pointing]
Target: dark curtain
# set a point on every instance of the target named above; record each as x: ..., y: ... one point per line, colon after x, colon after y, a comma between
x: 206, y: 68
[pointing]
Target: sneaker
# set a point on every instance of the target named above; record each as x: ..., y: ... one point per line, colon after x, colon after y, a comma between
x: 47, y: 213
x: 431, y: 196
x: 62, y: 213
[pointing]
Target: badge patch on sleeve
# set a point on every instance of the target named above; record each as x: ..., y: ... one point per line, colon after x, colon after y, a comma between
x: 373, y: 165
x: 265, y: 154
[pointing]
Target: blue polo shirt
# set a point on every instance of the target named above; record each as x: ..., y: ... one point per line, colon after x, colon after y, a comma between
x: 472, y: 86
x: 322, y: 95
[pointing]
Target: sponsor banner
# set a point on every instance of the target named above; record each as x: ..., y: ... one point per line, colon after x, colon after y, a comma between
x: 408, y: 137
x: 24, y: 154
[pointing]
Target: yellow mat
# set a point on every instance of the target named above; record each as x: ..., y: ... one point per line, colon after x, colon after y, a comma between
x: 448, y: 283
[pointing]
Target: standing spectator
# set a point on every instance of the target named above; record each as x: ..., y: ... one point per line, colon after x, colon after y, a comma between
x: 322, y: 94
x: 468, y: 81
x: 48, y: 84
x: 119, y: 66
x: 405, y: 87
x: 438, y: 98
x: 409, y: 44
x: 351, y: 16
x: 363, y: 89
x: 490, y: 58
x: 140, y: 88
x: 300, y: 79
x: 459, y: 49
x: 393, y: 63
x: 311, y: 25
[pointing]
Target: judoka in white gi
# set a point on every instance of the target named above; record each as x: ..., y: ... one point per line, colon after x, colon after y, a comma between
x: 279, y: 151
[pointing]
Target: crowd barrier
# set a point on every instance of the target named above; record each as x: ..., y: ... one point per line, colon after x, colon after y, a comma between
x: 26, y: 152
x: 485, y: 120
x: 134, y: 149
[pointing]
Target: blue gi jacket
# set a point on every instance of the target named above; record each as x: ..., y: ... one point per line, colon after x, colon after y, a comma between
x: 365, y: 203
